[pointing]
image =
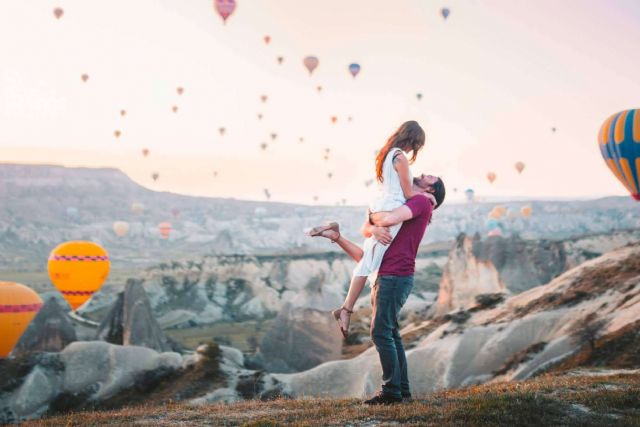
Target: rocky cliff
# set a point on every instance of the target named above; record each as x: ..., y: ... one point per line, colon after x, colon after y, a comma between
x: 49, y: 331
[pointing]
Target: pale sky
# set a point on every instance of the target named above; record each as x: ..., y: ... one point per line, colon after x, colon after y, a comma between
x: 496, y: 76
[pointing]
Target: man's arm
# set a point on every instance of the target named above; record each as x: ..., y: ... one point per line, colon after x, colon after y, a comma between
x: 395, y: 217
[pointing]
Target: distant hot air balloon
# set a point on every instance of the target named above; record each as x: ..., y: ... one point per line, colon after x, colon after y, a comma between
x: 319, y: 89
x: 301, y: 140
x: 215, y: 174
x: 121, y: 228
x: 349, y: 119
x: 225, y: 8
x: 155, y: 176
x: 354, y: 69
x: 274, y: 136
x: 117, y: 133
x: 263, y: 146
x: 445, y: 12
x: 326, y: 157
x: 78, y: 269
x: 526, y: 211
x: 315, y: 198
x: 58, y: 12
x: 280, y: 59
x: 174, y: 108
x: 84, y: 77
x: 264, y: 98
x: 368, y: 182
x: 267, y: 194
x: 222, y: 130
x: 470, y: 194
x: 329, y: 175
x: 334, y: 119
x: 165, y: 229
x: 419, y: 96
x: 619, y: 142
x: 553, y: 129
x: 145, y: 152
x: 519, y: 167
x: 175, y: 212
x: 491, y: 177
x: 496, y: 232
x: 137, y: 208
x: 180, y: 90
x: 502, y: 210
x: 492, y: 223
x: 123, y: 113
x: 19, y: 304
x: 259, y: 116
x: 267, y: 39
x: 311, y: 63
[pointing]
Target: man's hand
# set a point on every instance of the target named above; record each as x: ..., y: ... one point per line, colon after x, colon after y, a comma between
x: 382, y: 235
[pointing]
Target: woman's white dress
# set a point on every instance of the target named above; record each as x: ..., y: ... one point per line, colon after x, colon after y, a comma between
x: 389, y: 197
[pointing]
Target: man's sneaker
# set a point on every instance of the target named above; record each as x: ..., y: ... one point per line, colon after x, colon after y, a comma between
x: 406, y: 397
x: 383, y: 399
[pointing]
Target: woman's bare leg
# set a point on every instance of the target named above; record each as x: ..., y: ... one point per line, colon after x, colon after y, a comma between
x: 355, y: 289
x: 353, y: 250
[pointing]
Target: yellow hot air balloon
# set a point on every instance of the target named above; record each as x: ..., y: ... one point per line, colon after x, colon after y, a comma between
x: 78, y: 269
x: 526, y: 211
x: 121, y: 228
x: 137, y: 208
x: 501, y: 210
x: 18, y: 306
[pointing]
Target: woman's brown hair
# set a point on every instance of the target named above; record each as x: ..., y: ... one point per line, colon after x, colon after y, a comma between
x: 408, y: 136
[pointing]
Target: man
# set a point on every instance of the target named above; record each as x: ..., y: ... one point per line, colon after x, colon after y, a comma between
x: 395, y: 280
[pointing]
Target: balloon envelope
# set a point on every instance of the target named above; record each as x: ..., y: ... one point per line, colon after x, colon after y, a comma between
x: 121, y: 228
x: 619, y: 142
x: 19, y: 304
x: 491, y: 177
x: 225, y: 8
x: 526, y: 211
x: 311, y: 63
x: 519, y: 167
x: 445, y: 12
x: 469, y: 194
x: 354, y: 69
x: 165, y: 229
x: 137, y: 208
x: 78, y: 269
x: 58, y: 12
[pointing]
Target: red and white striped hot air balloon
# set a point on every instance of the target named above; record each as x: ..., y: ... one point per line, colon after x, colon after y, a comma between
x: 165, y: 229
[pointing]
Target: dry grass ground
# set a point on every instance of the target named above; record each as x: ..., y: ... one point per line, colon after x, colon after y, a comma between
x: 570, y: 400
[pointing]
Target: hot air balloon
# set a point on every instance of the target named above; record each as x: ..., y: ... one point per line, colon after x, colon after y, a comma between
x: 496, y: 232
x: 274, y: 136
x: 619, y: 140
x: 174, y: 108
x: 368, y: 183
x: 553, y: 129
x: 263, y: 146
x: 123, y: 113
x: 78, y: 269
x: 519, y: 167
x: 329, y: 175
x: 215, y: 174
x: 419, y: 96
x: 137, y: 208
x: 445, y: 12
x: 267, y: 39
x: 175, y: 212
x: 280, y: 59
x: 222, y: 130
x: 267, y: 194
x: 259, y: 116
x: 492, y: 223
x: 491, y: 177
x: 145, y: 152
x: 349, y: 119
x: 315, y: 198
x: 469, y: 194
x: 354, y: 69
x: 165, y: 229
x: 334, y: 119
x: 121, y: 228
x: 180, y: 90
x: 19, y: 304
x: 155, y: 176
x: 84, y: 77
x: 225, y: 8
x: 301, y: 140
x: 526, y: 211
x: 311, y: 63
x: 58, y: 12
x: 264, y: 98
x: 117, y: 133
x: 319, y: 89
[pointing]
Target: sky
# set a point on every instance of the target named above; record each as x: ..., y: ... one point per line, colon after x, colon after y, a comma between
x: 495, y: 78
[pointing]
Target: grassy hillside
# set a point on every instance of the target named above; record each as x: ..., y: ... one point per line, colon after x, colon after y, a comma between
x: 580, y: 399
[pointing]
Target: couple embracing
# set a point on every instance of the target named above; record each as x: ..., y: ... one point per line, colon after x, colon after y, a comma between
x: 397, y: 220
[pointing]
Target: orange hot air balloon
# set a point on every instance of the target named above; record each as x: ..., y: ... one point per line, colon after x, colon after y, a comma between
x: 117, y: 133
x: 311, y: 63
x: 84, y: 77
x: 526, y: 211
x: 180, y: 90
x: 121, y: 228
x: 123, y: 113
x: 264, y: 98
x: 19, y: 304
x: 58, y: 12
x: 224, y: 8
x: 174, y: 108
x: 78, y: 269
x: 519, y: 167
x: 491, y: 177
x: 267, y: 39
x: 334, y: 119
x: 165, y: 229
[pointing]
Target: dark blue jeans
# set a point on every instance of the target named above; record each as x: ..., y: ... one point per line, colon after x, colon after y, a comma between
x: 388, y: 295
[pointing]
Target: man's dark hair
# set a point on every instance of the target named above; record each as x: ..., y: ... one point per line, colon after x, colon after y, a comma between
x: 438, y: 192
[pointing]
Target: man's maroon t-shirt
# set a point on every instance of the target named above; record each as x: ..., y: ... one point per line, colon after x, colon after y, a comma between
x: 400, y: 258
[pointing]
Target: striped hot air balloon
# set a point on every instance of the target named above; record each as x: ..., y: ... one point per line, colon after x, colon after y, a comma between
x: 18, y: 306
x: 165, y: 229
x: 78, y: 269
x: 619, y: 142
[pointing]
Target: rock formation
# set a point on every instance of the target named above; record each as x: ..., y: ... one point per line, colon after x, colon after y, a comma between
x: 131, y: 321
x: 49, y: 331
x: 300, y: 339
